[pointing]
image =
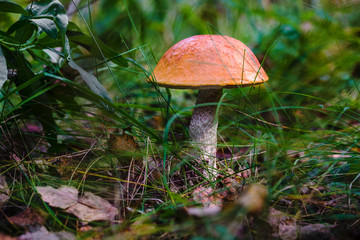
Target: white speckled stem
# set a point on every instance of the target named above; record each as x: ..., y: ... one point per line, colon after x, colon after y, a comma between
x: 203, y: 130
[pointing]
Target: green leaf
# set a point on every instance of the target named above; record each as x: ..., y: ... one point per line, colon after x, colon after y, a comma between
x: 34, y: 96
x: 26, y: 34
x: 91, y: 81
x: 49, y: 8
x: 17, y: 25
x: 49, y: 42
x: 47, y: 25
x: 3, y: 69
x: 73, y: 27
x: 67, y: 49
x: 89, y: 43
x: 6, y: 6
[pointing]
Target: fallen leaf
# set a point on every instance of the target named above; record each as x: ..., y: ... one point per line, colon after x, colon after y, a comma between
x: 355, y: 149
x: 119, y: 141
x: 204, y: 211
x: 6, y: 237
x: 231, y: 186
x: 88, y: 207
x: 32, y: 128
x: 123, y: 146
x: 43, y: 233
x: 93, y: 208
x: 157, y: 122
x: 285, y: 227
x: 316, y: 231
x: 205, y: 196
x: 96, y: 233
x: 65, y: 166
x: 29, y: 217
x: 64, y: 197
x: 4, y: 191
x: 253, y: 200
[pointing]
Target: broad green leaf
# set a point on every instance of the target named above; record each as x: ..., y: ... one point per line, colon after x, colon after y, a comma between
x: 3, y: 69
x: 34, y: 96
x: 49, y: 42
x: 47, y: 25
x: 26, y: 34
x: 6, y: 6
x: 22, y: 86
x: 17, y: 25
x: 50, y: 8
x: 89, y: 43
x: 67, y: 49
x: 73, y: 27
x: 91, y: 81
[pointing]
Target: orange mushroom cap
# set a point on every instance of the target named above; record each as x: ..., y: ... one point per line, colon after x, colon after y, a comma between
x: 208, y: 62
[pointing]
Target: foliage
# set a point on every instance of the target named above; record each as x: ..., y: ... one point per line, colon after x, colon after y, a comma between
x: 36, y: 36
x: 297, y: 135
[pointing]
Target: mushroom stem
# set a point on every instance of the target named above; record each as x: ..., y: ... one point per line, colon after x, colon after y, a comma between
x: 203, y: 130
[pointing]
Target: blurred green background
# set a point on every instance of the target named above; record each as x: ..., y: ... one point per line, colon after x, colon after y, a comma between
x: 307, y: 47
x: 312, y: 47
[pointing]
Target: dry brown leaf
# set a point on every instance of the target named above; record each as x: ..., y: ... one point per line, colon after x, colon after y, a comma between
x: 89, y: 207
x: 285, y: 227
x: 6, y: 237
x: 254, y: 198
x: 231, y: 185
x: 65, y: 166
x: 4, y: 191
x: 93, y: 208
x: 95, y: 233
x: 29, y: 217
x: 43, y: 233
x: 206, y: 196
x: 203, y: 211
x: 124, y: 147
x: 355, y: 149
x: 119, y: 141
x: 157, y: 122
x: 316, y: 231
x: 63, y: 197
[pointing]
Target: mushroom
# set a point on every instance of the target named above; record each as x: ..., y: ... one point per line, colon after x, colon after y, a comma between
x: 208, y: 63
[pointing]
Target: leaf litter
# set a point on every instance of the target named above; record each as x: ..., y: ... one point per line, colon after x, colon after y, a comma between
x: 4, y: 191
x: 87, y: 207
x: 43, y: 233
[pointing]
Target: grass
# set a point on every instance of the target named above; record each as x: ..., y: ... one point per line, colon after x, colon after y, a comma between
x: 297, y: 135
